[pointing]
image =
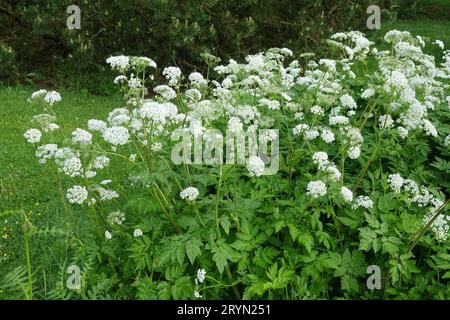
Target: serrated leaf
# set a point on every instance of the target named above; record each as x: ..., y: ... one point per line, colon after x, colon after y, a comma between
x: 193, y: 249
x: 293, y: 231
x: 222, y: 252
x: 307, y: 240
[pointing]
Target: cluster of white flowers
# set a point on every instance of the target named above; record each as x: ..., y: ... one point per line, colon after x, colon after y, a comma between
x: 271, y: 104
x: 166, y: 92
x: 201, y: 274
x: 116, y: 217
x: 197, y: 79
x: 52, y: 97
x: 173, y: 74
x: 46, y: 152
x: 72, y: 166
x: 38, y: 94
x: 316, y: 189
x: 33, y: 135
x: 121, y: 63
x: 106, y: 194
x: 347, y: 194
x: 77, y: 194
x: 395, y: 182
x: 422, y: 196
x: 385, y: 121
x: 116, y: 135
x: 328, y: 118
x: 108, y: 235
x: 49, y: 97
x: 347, y: 101
x: 190, y: 194
x: 363, y: 201
x: 324, y: 165
x: 137, y: 233
x: 81, y: 136
x: 255, y: 166
x: 97, y: 125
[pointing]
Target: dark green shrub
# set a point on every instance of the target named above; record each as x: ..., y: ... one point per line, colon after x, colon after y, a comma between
x: 166, y: 29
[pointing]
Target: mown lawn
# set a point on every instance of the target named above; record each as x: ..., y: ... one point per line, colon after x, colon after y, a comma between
x: 24, y: 184
x: 28, y: 188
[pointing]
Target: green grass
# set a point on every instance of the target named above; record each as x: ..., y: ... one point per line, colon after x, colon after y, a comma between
x: 434, y: 29
x: 28, y: 189
x: 24, y: 183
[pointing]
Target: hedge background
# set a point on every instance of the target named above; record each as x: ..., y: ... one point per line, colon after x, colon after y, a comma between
x: 37, y: 47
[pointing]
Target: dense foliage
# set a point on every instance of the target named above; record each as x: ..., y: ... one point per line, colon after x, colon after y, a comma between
x: 363, y: 178
x: 173, y: 31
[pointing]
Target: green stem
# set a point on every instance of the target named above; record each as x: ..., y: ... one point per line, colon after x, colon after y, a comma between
x: 216, y: 215
x: 27, y: 254
x: 230, y: 277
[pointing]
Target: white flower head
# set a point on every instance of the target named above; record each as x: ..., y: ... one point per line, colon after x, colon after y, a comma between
x: 96, y: 125
x: 77, y: 194
x: 108, y: 235
x: 190, y: 194
x: 348, y: 101
x: 121, y: 63
x: 117, y: 135
x: 347, y: 194
x: 201, y: 273
x: 81, y: 136
x: 33, y: 135
x: 52, y: 97
x: 395, y: 182
x: 363, y: 201
x: 316, y: 189
x: 137, y: 233
x: 255, y: 166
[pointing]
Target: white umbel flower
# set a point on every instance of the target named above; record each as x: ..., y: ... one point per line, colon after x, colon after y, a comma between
x: 77, y: 194
x: 316, y: 189
x: 33, y: 135
x: 81, y: 136
x: 121, y: 63
x: 363, y: 201
x: 116, y: 135
x: 201, y: 274
x: 72, y: 166
x: 354, y: 152
x: 116, y: 217
x: 255, y: 166
x: 137, y: 233
x: 385, y: 121
x: 348, y: 101
x: 173, y: 74
x: 190, y: 194
x: 368, y: 93
x: 52, y: 97
x: 108, y: 235
x: 347, y: 194
x: 96, y: 125
x: 395, y: 182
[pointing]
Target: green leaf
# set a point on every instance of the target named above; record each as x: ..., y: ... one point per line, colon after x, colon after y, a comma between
x: 293, y: 231
x: 193, y: 249
x: 225, y: 224
x: 222, y: 252
x: 307, y: 240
